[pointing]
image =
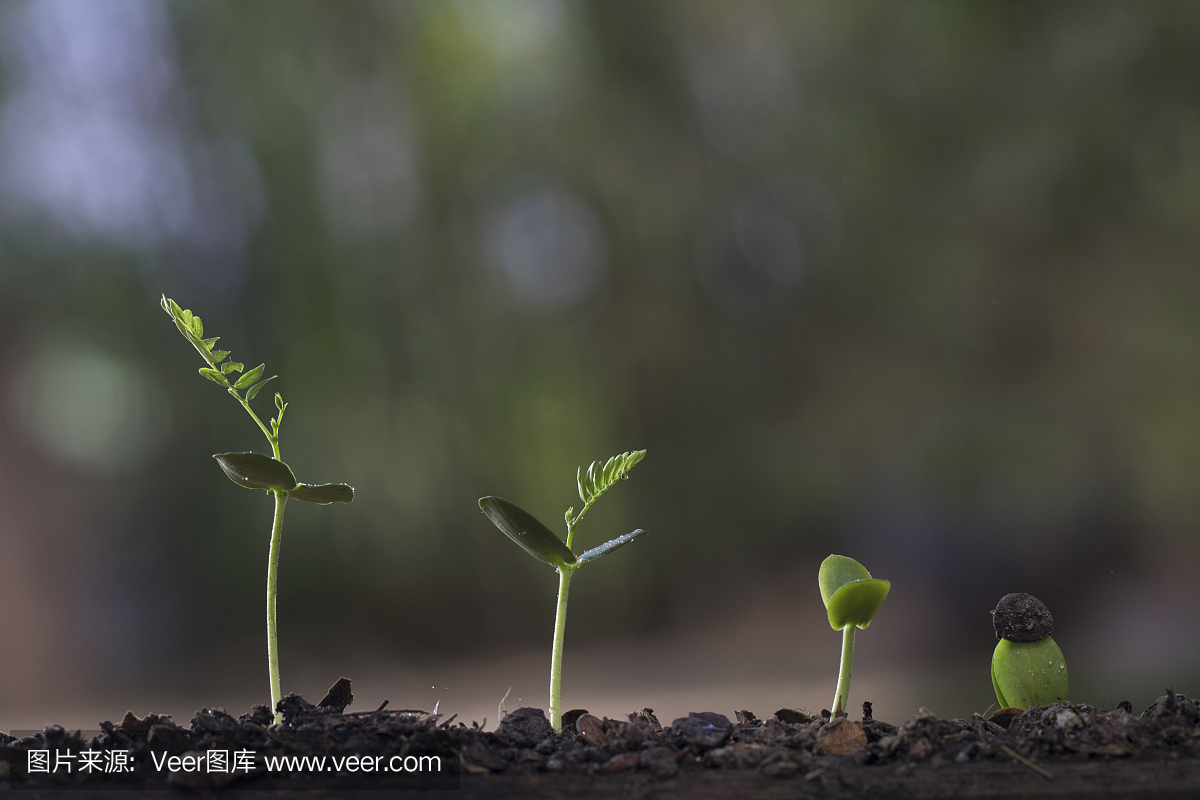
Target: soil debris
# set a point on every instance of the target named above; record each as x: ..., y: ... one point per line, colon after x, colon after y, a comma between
x: 830, y: 755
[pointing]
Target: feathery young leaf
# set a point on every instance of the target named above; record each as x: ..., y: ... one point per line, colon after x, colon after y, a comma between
x: 600, y: 477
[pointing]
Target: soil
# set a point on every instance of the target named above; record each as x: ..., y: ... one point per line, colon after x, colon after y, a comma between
x: 1061, y: 750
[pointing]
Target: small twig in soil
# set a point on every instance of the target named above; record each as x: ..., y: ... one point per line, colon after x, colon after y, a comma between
x: 382, y: 706
x: 816, y: 773
x: 446, y: 724
x: 500, y: 712
x: 1045, y: 773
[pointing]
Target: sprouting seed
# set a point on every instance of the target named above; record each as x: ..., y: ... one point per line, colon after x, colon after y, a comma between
x: 1023, y: 625
x: 852, y: 598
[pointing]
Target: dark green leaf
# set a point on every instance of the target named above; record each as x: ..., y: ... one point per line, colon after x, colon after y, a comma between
x: 232, y: 366
x: 254, y: 389
x: 324, y: 494
x: 523, y: 528
x: 250, y: 378
x: 214, y: 376
x: 256, y: 471
x: 609, y: 546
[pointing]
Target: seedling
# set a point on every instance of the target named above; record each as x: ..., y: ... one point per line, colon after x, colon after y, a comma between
x: 541, y: 543
x: 1028, y: 668
x: 852, y: 598
x: 254, y: 470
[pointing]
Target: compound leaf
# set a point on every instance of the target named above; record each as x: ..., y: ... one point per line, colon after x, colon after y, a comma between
x: 599, y: 477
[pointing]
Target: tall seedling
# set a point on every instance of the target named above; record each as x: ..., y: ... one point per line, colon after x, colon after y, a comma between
x: 254, y: 470
x: 538, y: 540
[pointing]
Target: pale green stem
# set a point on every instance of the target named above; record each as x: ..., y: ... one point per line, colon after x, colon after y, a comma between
x: 272, y: 590
x: 560, y: 629
x: 843, y: 686
x: 273, y: 439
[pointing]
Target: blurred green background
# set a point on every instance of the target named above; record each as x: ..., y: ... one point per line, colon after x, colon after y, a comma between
x: 915, y: 283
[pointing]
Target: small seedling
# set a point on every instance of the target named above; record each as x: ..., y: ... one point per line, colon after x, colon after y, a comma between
x: 254, y: 470
x: 541, y: 543
x: 852, y: 598
x: 1028, y: 668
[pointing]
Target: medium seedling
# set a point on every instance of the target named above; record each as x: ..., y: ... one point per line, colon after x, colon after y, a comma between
x: 1028, y: 668
x: 541, y: 543
x: 254, y: 470
x: 852, y: 598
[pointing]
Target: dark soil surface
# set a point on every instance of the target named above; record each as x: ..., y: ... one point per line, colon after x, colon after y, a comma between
x: 1063, y: 750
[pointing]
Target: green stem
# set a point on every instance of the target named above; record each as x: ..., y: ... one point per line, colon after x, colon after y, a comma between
x: 272, y: 590
x: 560, y: 629
x: 272, y: 438
x: 843, y: 686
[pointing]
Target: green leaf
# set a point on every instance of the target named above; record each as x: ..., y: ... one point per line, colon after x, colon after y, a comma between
x: 250, y: 378
x: 279, y: 402
x: 1028, y: 674
x: 324, y: 494
x: 609, y: 546
x: 599, y: 477
x: 198, y: 328
x: 254, y: 389
x: 208, y: 343
x: 232, y: 366
x: 523, y: 528
x: 214, y: 375
x: 256, y: 471
x: 850, y: 594
x: 219, y: 355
